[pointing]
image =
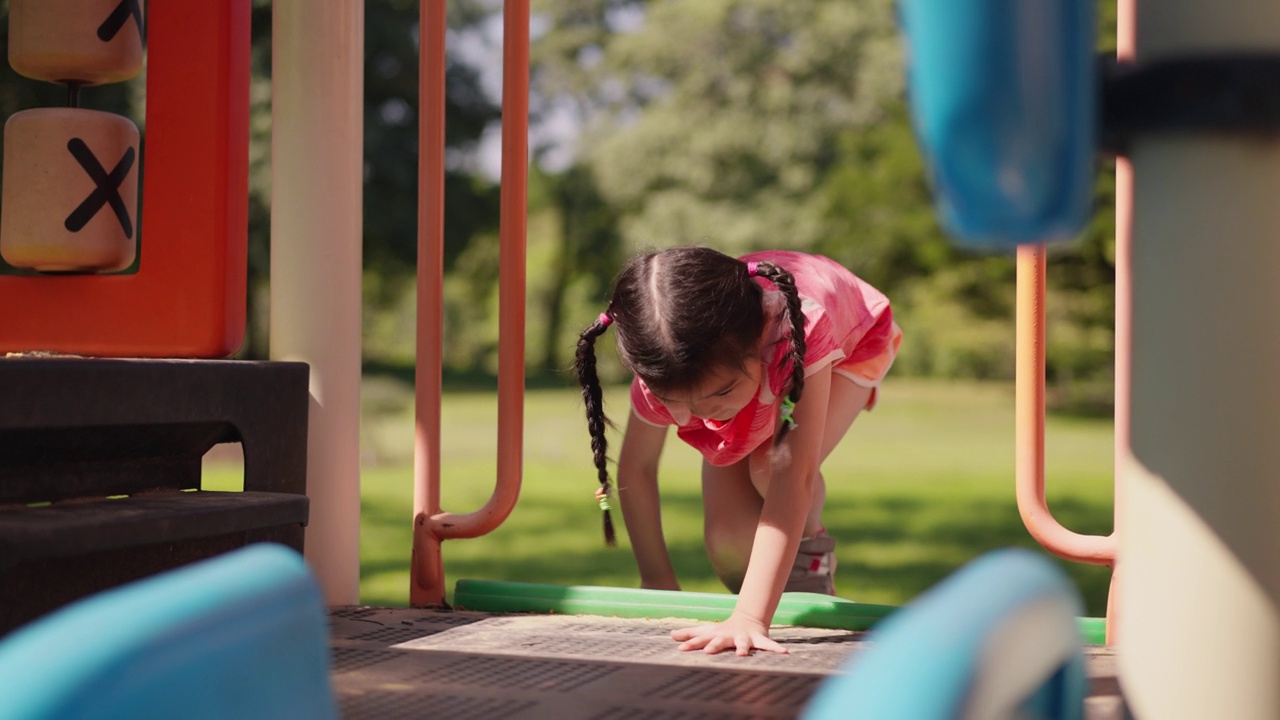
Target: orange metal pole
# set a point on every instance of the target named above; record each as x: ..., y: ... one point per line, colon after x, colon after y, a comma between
x: 426, y: 573
x: 431, y: 526
x: 511, y: 273
x: 1029, y: 413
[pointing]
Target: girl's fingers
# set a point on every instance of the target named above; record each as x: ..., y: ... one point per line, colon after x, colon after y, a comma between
x: 719, y: 643
x: 703, y: 637
x: 741, y: 644
x: 688, y: 633
x: 764, y: 642
x: 694, y: 638
x: 709, y: 639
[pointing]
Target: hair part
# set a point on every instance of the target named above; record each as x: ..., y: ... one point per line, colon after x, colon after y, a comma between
x: 684, y: 312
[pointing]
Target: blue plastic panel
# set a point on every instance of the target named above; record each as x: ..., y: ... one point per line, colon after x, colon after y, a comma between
x: 243, y: 635
x: 926, y: 660
x: 1003, y: 96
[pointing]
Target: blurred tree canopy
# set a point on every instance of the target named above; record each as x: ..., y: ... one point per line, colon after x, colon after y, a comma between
x: 390, y: 154
x: 732, y: 116
x: 740, y: 124
x: 749, y: 124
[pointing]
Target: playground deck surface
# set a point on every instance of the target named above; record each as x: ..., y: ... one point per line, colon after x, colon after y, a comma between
x: 403, y: 663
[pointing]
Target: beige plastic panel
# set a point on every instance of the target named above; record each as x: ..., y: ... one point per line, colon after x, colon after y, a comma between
x: 70, y: 191
x: 1200, y: 634
x: 1199, y: 631
x: 84, y: 41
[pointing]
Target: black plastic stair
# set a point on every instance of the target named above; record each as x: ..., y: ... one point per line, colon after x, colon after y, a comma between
x: 100, y: 469
x: 65, y: 530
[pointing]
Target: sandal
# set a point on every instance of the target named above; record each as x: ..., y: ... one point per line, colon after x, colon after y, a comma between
x: 814, y: 570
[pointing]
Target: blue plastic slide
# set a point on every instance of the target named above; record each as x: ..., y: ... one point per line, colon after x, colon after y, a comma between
x: 242, y: 635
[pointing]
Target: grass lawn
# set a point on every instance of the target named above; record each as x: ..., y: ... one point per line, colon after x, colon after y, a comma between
x: 920, y: 486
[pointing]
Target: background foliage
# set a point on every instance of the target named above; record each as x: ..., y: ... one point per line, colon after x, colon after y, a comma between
x: 740, y: 124
x: 749, y: 124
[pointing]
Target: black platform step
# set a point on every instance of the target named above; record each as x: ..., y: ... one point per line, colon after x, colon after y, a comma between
x: 97, y: 427
x: 68, y: 529
x: 76, y: 432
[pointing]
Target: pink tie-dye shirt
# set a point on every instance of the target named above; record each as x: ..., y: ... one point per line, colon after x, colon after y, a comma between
x: 848, y: 324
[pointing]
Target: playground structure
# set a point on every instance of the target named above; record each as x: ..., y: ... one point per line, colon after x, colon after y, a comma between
x: 1190, y: 105
x: 114, y: 443
x: 1190, y: 548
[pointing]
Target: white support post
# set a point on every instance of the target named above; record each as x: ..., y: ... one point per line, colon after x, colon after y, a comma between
x: 316, y: 242
x: 1200, y: 629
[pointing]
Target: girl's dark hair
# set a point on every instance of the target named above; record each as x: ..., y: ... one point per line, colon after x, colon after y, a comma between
x: 680, y: 314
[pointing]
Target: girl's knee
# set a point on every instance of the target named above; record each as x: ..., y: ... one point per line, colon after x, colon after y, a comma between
x: 729, y: 553
x: 732, y: 581
x: 760, y: 468
x: 730, y: 575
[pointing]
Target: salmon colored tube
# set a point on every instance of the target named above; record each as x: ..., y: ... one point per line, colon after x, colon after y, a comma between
x: 431, y: 525
x: 1029, y: 401
x: 426, y: 572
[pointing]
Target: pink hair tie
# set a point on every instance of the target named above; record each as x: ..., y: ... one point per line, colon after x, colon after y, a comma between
x: 751, y: 268
x: 605, y: 319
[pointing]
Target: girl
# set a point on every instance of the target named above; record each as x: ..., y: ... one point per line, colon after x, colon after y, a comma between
x: 762, y: 363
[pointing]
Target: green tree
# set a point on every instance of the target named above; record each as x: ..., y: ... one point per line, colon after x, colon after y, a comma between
x: 678, y: 142
x: 879, y: 221
x: 729, y: 115
x: 391, y: 137
x: 588, y: 254
x: 570, y: 86
x: 390, y: 152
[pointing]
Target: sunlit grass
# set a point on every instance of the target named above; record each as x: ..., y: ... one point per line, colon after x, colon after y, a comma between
x: 921, y: 485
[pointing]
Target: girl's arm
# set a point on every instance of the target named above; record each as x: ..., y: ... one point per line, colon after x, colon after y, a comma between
x: 786, y: 506
x: 638, y: 492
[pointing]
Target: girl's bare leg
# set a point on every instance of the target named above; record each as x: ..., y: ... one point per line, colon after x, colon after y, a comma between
x: 733, y: 496
x: 848, y: 399
x: 731, y: 511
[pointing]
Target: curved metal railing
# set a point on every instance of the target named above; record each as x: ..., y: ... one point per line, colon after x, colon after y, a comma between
x: 431, y: 525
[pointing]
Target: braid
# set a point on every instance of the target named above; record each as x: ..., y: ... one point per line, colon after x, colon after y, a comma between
x: 793, y: 312
x: 592, y: 396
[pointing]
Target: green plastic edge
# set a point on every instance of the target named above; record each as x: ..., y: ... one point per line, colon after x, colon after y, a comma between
x: 802, y: 609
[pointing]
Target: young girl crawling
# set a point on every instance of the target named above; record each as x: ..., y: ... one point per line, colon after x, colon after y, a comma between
x: 762, y: 363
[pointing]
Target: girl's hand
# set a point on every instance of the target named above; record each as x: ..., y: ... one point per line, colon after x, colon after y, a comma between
x: 738, y: 632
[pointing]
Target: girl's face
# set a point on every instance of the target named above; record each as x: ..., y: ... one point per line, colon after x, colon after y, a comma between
x: 721, y: 396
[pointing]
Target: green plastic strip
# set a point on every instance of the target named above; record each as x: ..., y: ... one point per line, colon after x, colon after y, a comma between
x: 806, y: 609
x: 1094, y: 630
x: 803, y: 609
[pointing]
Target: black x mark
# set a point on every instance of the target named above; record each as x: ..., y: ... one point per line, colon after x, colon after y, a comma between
x: 106, y: 192
x: 118, y: 17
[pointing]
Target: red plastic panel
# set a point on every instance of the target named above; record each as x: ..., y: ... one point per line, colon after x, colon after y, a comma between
x: 187, y: 298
